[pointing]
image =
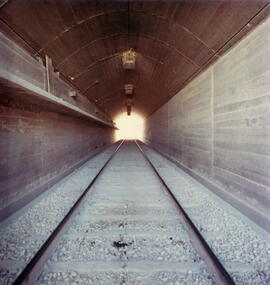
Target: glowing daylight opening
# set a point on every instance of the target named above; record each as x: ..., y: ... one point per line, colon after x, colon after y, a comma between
x: 130, y: 127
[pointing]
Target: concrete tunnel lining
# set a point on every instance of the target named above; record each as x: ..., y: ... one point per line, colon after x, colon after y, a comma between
x: 202, y: 91
x: 192, y: 127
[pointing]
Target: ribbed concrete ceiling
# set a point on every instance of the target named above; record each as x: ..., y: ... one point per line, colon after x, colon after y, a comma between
x: 173, y: 41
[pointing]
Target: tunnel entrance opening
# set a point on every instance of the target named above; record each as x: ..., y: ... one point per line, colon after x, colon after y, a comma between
x: 129, y: 127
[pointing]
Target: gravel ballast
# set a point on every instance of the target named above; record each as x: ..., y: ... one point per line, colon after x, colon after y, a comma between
x: 23, y: 233
x: 239, y: 245
x: 128, y: 232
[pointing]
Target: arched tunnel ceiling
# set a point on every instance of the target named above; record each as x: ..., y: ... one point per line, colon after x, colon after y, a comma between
x: 173, y: 40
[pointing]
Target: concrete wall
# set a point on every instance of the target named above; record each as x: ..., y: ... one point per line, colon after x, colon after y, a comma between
x: 19, y: 66
x: 38, y: 148
x: 218, y: 125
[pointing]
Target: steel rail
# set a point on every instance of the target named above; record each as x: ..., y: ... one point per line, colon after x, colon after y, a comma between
x: 220, y: 273
x: 34, y: 268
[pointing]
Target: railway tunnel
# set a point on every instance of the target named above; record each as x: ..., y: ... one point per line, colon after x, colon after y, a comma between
x: 134, y: 142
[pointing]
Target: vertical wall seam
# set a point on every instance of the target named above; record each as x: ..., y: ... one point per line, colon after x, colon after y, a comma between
x: 168, y: 133
x: 43, y: 158
x: 212, y: 121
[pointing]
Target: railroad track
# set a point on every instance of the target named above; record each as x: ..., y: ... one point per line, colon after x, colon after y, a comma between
x: 125, y: 231
x: 127, y: 228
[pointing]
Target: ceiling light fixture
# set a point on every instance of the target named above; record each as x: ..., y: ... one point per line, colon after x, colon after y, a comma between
x: 129, y: 105
x: 128, y: 110
x: 129, y: 59
x: 128, y: 89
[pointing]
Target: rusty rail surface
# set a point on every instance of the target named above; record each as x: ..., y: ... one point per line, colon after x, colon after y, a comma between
x: 219, y: 272
x: 34, y: 268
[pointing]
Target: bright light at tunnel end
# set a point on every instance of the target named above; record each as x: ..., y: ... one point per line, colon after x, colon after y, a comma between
x: 129, y: 127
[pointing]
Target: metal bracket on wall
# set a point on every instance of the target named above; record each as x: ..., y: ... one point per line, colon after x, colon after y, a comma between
x: 49, y: 71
